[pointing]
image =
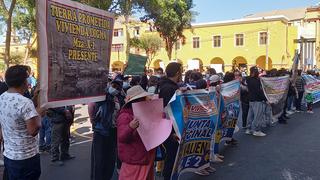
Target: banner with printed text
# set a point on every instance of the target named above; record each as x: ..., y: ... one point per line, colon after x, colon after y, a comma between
x: 229, y: 109
x: 276, y: 90
x: 194, y: 115
x: 74, y: 52
x: 312, y: 86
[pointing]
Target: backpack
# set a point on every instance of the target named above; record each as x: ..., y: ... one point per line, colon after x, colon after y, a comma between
x: 104, y: 113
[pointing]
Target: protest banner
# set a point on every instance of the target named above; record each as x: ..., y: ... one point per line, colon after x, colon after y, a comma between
x: 153, y: 128
x: 312, y: 86
x: 195, y: 114
x: 136, y: 65
x: 276, y: 90
x: 229, y: 109
x: 74, y: 52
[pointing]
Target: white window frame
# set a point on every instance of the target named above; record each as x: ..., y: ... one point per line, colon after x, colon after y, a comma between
x: 121, y: 49
x: 135, y: 31
x: 268, y: 38
x: 235, y: 40
x: 117, y: 30
x: 213, y: 40
x: 199, y: 42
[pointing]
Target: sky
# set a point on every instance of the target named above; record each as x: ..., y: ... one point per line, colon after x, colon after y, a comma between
x: 218, y: 10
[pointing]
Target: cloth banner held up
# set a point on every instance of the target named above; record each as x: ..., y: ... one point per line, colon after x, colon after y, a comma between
x: 74, y: 52
x: 229, y: 109
x: 195, y: 114
x: 153, y: 128
x: 136, y: 65
x: 276, y: 90
x: 312, y: 85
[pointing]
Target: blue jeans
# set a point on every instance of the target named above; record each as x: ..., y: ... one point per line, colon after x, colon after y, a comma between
x: 28, y: 169
x: 45, y: 132
x: 290, y: 102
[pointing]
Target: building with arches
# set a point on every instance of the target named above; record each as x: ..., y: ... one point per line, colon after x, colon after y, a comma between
x: 267, y: 42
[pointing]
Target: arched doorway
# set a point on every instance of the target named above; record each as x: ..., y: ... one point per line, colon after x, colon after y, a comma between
x: 117, y: 66
x: 195, y: 64
x: 218, y: 64
x: 261, y: 62
x: 239, y: 62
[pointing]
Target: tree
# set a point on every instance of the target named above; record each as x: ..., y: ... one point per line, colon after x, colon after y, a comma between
x: 16, y: 59
x: 151, y: 43
x: 170, y: 18
x: 6, y: 12
x: 24, y: 22
x: 105, y: 4
x: 18, y: 16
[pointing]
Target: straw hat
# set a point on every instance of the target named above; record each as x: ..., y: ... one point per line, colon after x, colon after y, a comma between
x: 214, y: 78
x: 136, y: 92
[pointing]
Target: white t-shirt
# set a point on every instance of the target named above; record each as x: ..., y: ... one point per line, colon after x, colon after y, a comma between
x: 15, y: 110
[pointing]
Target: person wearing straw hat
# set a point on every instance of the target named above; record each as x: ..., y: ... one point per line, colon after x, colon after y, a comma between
x: 137, y: 162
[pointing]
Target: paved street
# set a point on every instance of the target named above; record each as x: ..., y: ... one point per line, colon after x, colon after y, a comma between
x: 289, y: 152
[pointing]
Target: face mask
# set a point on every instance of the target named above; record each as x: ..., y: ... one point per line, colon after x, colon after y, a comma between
x: 125, y: 85
x: 158, y: 76
x: 113, y: 91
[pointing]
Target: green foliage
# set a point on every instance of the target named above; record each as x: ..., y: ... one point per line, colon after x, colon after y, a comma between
x: 170, y: 18
x: 24, y: 21
x: 16, y: 59
x: 135, y: 42
x: 2, y: 66
x: 101, y: 4
x: 150, y: 43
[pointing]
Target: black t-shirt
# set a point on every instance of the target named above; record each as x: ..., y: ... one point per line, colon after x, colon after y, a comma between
x: 255, y: 90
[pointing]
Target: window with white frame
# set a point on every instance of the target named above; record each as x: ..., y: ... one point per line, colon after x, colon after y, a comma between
x: 196, y: 42
x: 118, y: 32
x: 216, y: 41
x: 239, y: 39
x: 117, y: 47
x: 137, y: 31
x: 263, y: 38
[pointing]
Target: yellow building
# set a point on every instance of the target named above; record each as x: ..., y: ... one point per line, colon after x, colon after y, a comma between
x: 119, y: 41
x: 267, y: 42
x: 313, y: 16
x: 18, y: 53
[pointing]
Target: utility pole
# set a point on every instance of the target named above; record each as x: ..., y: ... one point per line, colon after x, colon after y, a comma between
x: 267, y: 49
x: 301, y: 53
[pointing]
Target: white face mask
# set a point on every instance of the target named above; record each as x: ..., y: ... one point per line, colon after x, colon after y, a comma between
x: 125, y: 85
x: 113, y: 91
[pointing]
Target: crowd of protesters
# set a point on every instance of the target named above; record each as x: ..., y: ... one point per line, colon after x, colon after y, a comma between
x: 116, y: 145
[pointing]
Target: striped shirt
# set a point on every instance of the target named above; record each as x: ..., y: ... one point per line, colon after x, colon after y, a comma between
x: 300, y: 84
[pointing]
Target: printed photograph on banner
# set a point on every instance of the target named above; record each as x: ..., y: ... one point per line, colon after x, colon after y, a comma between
x: 230, y: 108
x: 199, y: 117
